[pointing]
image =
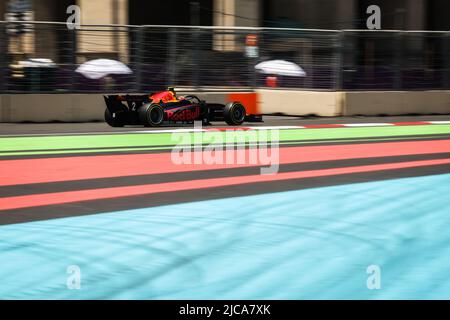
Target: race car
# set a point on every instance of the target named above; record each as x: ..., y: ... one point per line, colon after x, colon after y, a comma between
x: 154, y: 109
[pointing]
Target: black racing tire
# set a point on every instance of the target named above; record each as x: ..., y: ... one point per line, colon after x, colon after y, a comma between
x: 234, y: 113
x: 151, y: 115
x: 114, y: 120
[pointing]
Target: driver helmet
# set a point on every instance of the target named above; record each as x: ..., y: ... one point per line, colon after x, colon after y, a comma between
x: 172, y: 90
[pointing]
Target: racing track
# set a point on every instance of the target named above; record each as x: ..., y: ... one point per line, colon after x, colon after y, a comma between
x: 140, y: 226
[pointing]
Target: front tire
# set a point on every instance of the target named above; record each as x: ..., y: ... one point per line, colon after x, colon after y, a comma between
x: 114, y: 119
x: 151, y: 115
x: 234, y: 113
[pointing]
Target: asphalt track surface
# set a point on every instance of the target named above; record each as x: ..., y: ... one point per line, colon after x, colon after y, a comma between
x: 113, y: 202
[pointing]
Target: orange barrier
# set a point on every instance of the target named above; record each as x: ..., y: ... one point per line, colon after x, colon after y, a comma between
x: 248, y: 99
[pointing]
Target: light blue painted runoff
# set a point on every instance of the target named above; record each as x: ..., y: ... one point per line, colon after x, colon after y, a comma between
x: 313, y: 243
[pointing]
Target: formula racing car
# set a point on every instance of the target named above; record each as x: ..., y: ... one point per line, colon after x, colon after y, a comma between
x: 157, y: 108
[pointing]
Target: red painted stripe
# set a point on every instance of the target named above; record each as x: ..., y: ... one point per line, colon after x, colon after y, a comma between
x: 19, y: 202
x: 321, y: 126
x: 26, y: 171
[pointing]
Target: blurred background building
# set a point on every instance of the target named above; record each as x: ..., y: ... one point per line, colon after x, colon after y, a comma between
x: 315, y: 14
x: 309, y: 14
x: 194, y: 57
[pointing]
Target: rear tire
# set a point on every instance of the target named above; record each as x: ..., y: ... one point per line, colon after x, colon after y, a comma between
x: 234, y: 113
x: 151, y: 115
x: 114, y: 120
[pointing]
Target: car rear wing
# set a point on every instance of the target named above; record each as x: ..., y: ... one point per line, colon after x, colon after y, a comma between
x: 127, y: 102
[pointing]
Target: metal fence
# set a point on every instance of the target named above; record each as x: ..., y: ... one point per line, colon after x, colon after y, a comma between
x: 215, y: 57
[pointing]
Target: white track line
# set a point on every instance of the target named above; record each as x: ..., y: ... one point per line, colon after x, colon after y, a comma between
x: 367, y: 124
x: 438, y: 122
x: 169, y: 131
x: 275, y: 127
x: 101, y: 133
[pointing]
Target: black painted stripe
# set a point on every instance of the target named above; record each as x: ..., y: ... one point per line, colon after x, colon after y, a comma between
x: 50, y: 187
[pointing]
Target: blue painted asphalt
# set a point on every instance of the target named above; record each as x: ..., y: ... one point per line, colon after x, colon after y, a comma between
x: 313, y: 243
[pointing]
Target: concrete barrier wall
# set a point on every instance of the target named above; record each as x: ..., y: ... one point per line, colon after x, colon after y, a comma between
x: 396, y: 102
x: 90, y: 107
x: 300, y: 102
x: 85, y: 107
x: 51, y: 107
x: 353, y: 103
